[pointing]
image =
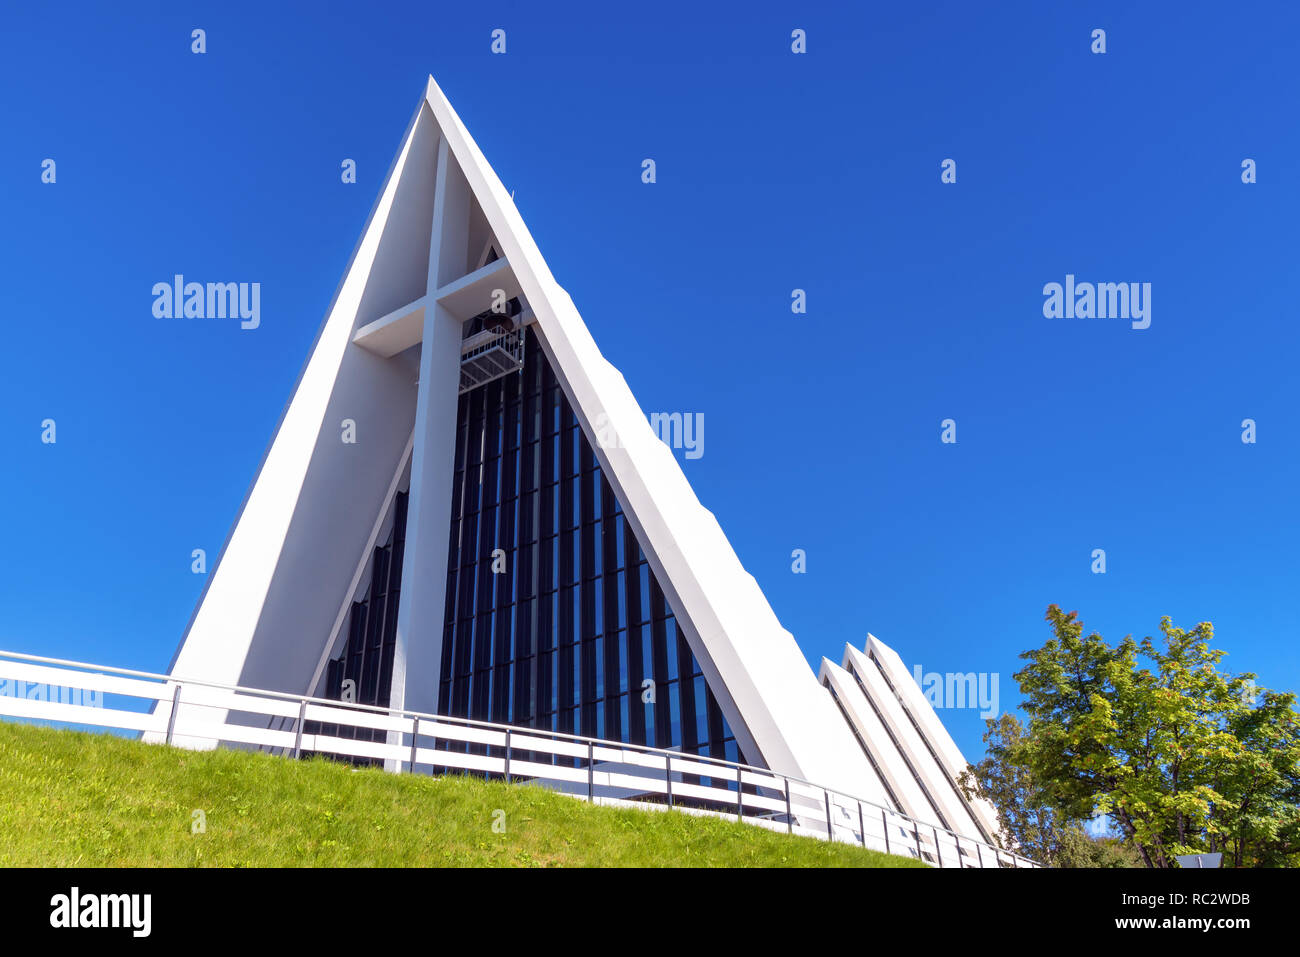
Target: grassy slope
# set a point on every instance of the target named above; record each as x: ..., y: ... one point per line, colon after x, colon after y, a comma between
x: 70, y: 798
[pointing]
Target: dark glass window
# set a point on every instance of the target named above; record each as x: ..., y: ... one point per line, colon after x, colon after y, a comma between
x: 567, y: 636
x: 366, y: 662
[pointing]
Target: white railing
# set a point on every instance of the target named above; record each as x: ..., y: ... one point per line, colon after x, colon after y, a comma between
x: 489, y: 355
x: 202, y: 714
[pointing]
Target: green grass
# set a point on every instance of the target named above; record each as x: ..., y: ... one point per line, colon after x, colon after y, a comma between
x: 90, y: 800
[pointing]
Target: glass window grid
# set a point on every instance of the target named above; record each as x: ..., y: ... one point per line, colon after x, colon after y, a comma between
x: 527, y: 482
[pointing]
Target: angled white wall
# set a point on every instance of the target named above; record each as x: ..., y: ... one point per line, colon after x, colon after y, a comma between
x: 910, y: 744
x: 916, y: 756
x: 273, y: 595
x: 948, y: 756
x: 907, y: 794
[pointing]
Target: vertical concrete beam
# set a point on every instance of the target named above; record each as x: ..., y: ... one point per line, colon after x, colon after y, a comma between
x: 417, y: 657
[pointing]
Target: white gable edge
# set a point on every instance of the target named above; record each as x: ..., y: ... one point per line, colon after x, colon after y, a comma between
x: 218, y: 641
x: 909, y: 743
x: 375, y: 220
x: 913, y: 701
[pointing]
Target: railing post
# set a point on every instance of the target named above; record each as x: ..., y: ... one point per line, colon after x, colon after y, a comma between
x: 789, y: 818
x: 740, y: 795
x: 507, y: 755
x: 297, y: 738
x: 916, y: 833
x: 884, y: 826
x: 937, y: 853
x: 979, y: 854
x: 668, y: 777
x: 591, y: 773
x: 171, y: 718
x: 415, y: 737
x: 862, y: 825
x: 830, y: 832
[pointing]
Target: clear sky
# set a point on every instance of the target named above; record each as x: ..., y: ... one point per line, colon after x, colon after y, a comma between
x: 775, y: 172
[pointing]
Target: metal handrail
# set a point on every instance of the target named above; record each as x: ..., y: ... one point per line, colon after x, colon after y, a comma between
x: 488, y: 338
x: 736, y: 766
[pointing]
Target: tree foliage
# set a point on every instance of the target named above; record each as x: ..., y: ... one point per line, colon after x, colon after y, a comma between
x: 1184, y: 757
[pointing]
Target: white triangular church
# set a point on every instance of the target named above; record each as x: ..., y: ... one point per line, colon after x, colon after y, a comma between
x: 465, y: 512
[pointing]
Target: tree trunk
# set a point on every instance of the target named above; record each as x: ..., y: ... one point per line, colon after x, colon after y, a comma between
x: 1132, y: 836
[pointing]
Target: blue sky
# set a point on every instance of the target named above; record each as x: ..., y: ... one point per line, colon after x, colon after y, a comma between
x: 775, y: 171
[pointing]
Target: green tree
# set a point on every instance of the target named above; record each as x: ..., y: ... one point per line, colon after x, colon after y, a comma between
x: 1078, y: 848
x: 1027, y: 821
x: 1184, y: 757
